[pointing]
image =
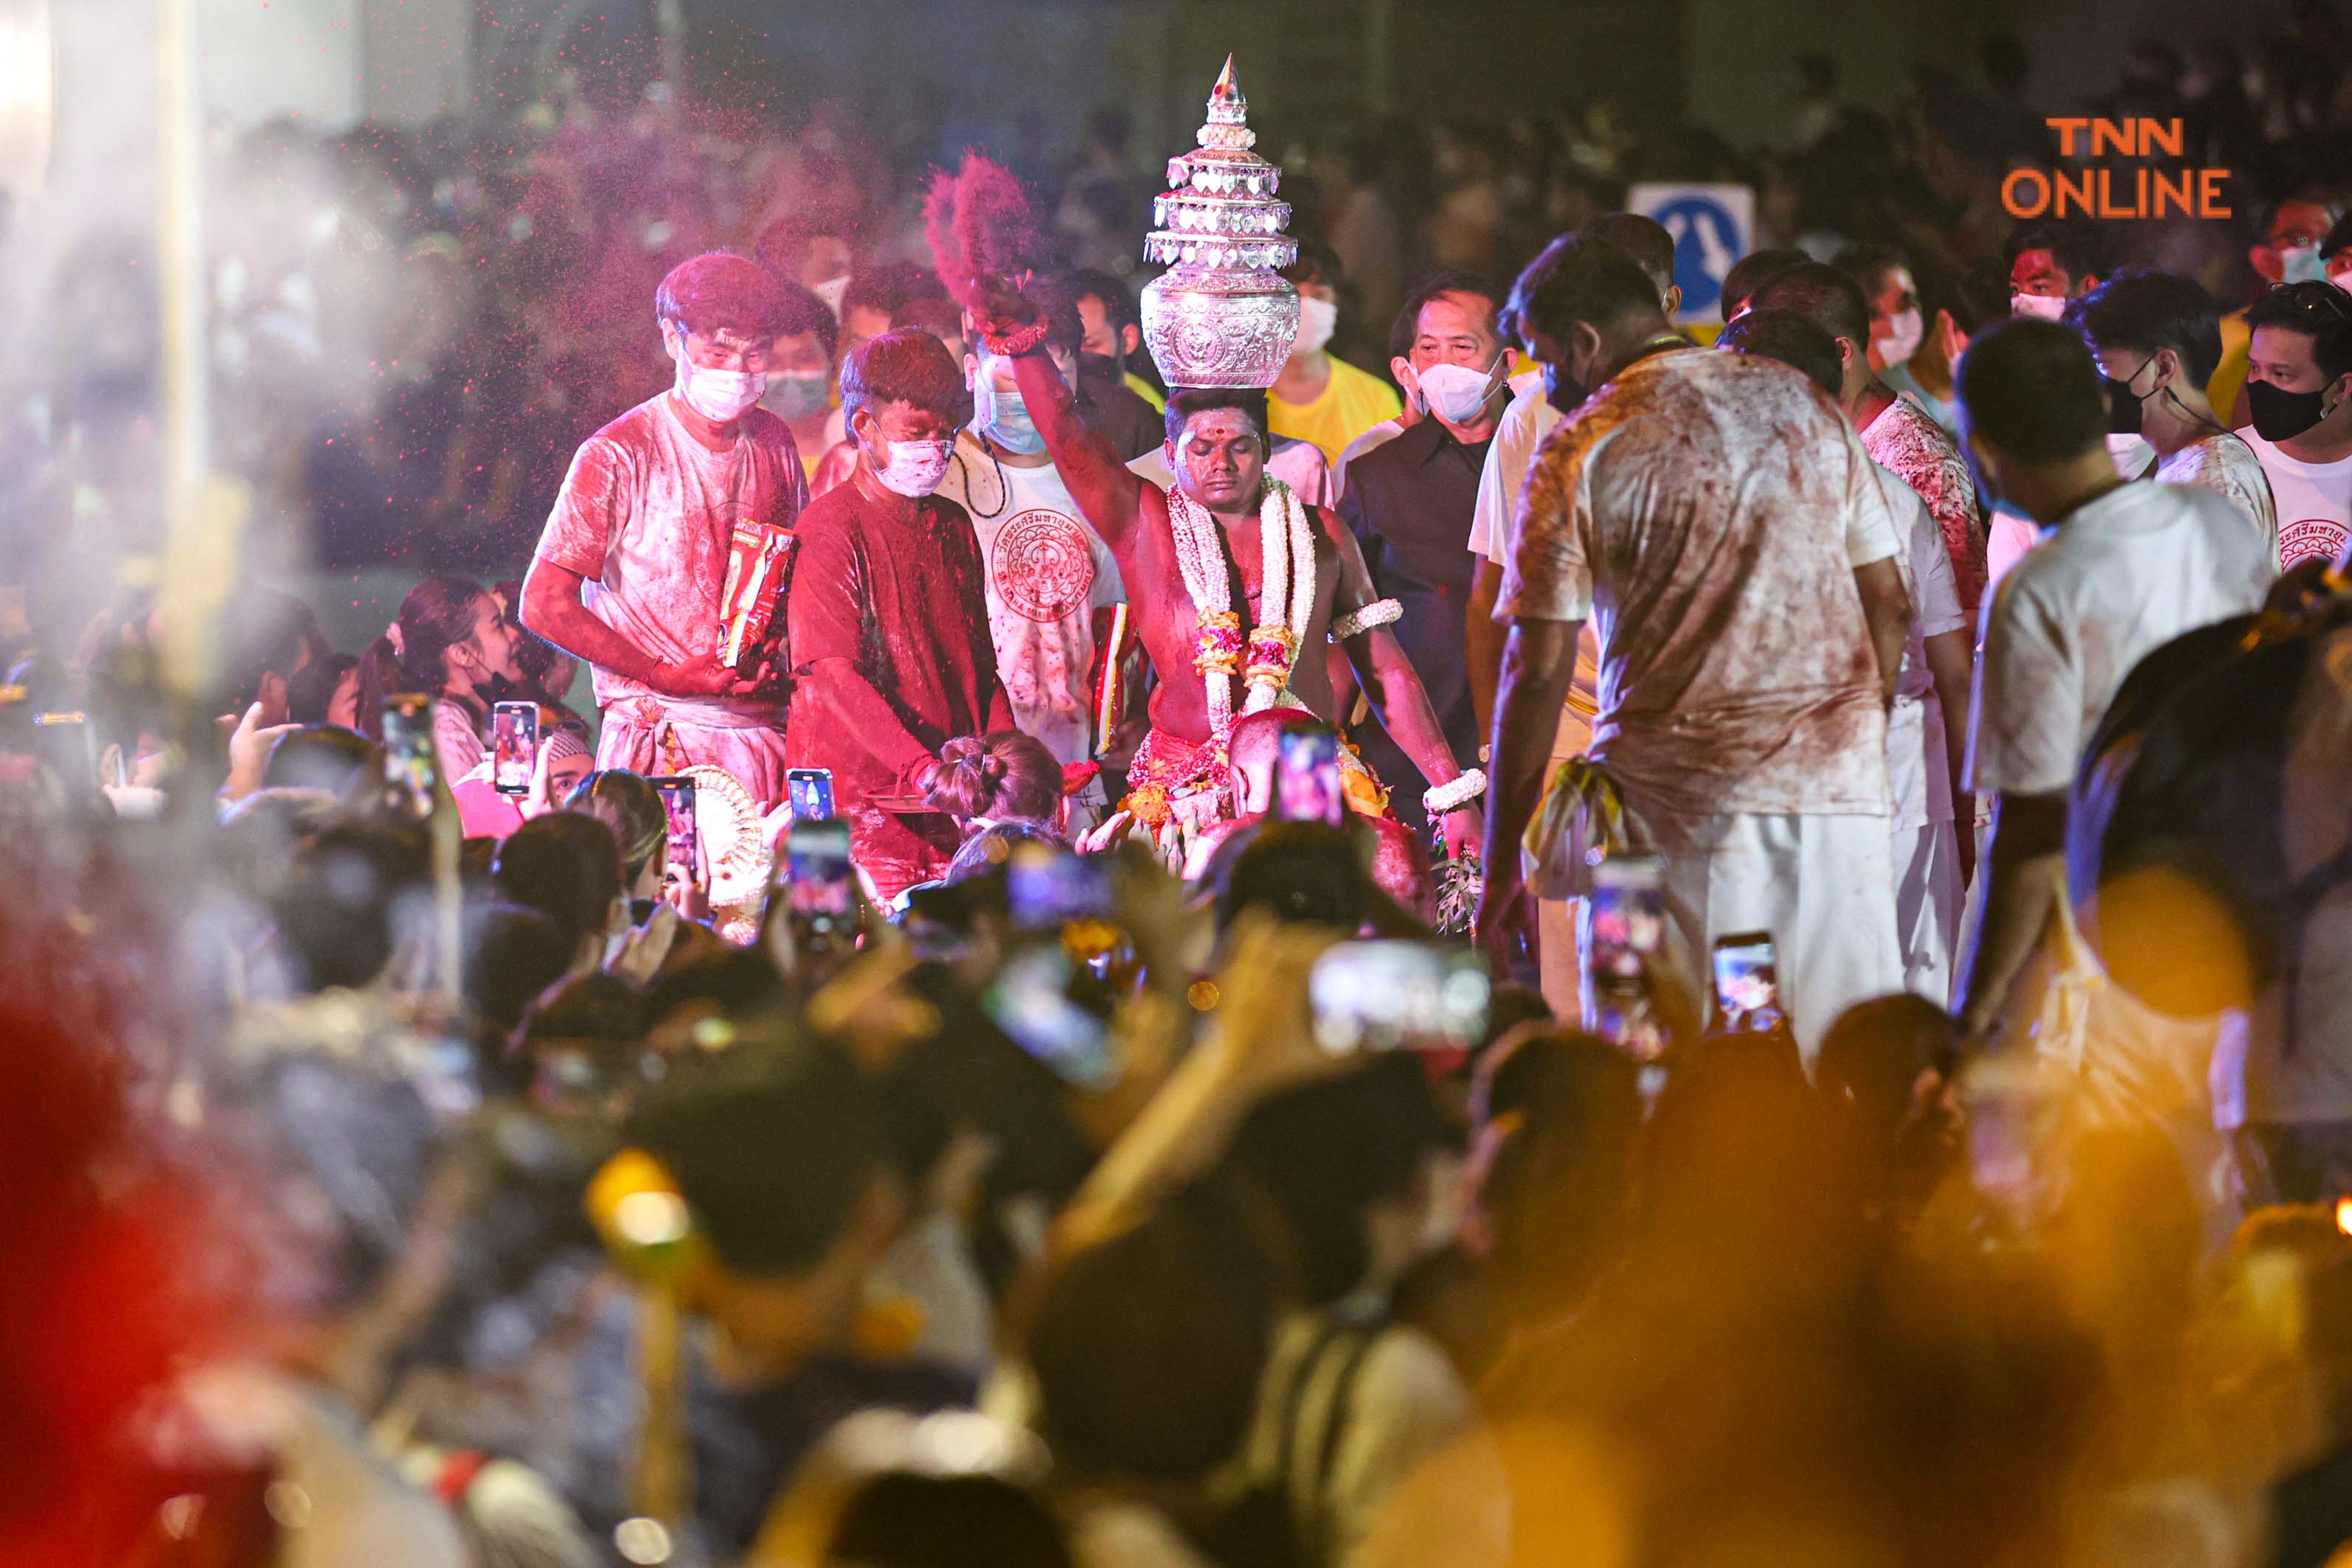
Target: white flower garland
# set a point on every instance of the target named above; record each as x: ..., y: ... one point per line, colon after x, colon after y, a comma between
x: 1286, y: 542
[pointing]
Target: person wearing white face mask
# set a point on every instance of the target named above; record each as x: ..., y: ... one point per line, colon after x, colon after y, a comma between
x: 2048, y: 265
x: 1897, y: 327
x: 1895, y: 433
x: 630, y: 570
x: 1409, y: 503
x: 1052, y: 585
x: 886, y: 616
x: 1319, y: 397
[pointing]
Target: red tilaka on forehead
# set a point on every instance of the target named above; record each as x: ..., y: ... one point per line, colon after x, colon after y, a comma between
x: 1227, y: 424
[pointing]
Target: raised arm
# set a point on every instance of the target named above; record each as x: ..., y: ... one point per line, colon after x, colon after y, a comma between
x: 1107, y: 495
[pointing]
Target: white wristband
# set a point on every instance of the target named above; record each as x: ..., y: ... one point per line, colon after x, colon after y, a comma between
x: 1445, y: 797
x: 1356, y: 622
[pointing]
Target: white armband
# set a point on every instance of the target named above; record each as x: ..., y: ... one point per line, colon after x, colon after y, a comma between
x: 1445, y: 797
x: 1356, y: 622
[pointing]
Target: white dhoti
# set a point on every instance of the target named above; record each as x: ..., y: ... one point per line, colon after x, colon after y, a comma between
x: 653, y: 737
x: 1927, y: 898
x: 1823, y: 887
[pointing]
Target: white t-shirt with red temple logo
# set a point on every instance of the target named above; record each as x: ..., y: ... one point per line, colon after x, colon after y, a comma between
x: 1047, y: 573
x: 2313, y: 503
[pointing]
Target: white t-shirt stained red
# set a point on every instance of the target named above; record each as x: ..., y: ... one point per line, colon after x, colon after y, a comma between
x: 647, y: 515
x: 1047, y: 576
x: 2228, y: 467
x: 2313, y: 501
x: 1708, y: 511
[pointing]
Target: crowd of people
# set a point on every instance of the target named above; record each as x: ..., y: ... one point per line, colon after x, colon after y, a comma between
x: 1592, y: 938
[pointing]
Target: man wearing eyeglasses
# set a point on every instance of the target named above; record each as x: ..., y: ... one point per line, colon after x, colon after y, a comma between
x: 2299, y: 393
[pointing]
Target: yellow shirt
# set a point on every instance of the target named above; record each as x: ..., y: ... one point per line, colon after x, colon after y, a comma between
x: 2230, y: 376
x: 1352, y: 402
x: 1146, y: 391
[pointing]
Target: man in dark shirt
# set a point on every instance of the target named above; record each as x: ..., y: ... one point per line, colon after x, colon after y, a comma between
x: 1409, y: 503
x: 887, y: 618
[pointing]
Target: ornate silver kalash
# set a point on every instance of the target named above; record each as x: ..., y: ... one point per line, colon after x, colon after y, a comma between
x: 1220, y: 315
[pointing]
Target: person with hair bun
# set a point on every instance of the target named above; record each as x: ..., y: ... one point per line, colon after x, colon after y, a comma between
x: 449, y: 641
x: 887, y: 615
x: 1005, y: 776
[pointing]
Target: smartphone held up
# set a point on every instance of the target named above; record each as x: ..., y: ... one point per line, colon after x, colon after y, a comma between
x: 412, y: 766
x: 1307, y: 786
x: 1398, y: 995
x: 514, y: 746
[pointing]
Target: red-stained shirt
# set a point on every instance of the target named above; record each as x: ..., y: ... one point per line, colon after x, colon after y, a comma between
x: 901, y: 606
x: 646, y: 516
x: 1707, y: 512
x: 1923, y: 456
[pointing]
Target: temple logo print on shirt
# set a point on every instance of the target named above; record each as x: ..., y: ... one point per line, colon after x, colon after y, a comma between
x: 2311, y: 538
x: 1042, y: 565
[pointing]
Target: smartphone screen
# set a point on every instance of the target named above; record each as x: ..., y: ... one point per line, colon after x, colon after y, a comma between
x: 514, y: 746
x: 1032, y: 1001
x: 820, y: 884
x: 810, y: 789
x: 1746, y: 982
x: 1306, y: 778
x: 410, y: 763
x: 1627, y: 912
x: 64, y: 741
x: 1046, y: 887
x: 678, y: 801
x: 1394, y: 995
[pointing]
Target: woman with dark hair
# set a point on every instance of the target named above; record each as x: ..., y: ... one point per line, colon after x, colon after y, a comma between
x: 449, y: 641
x: 1002, y: 776
x: 567, y: 867
x: 325, y: 691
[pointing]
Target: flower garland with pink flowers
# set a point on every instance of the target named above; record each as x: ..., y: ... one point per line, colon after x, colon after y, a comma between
x: 1287, y: 541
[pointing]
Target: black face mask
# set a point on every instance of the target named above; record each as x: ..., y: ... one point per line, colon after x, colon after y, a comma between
x: 2280, y: 415
x: 1563, y: 391
x: 2123, y: 408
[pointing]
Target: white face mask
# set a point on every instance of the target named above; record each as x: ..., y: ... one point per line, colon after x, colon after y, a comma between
x: 832, y: 291
x: 1316, y: 320
x: 1454, y: 393
x: 916, y: 467
x: 2341, y: 275
x: 1903, y: 331
x: 721, y: 397
x: 2049, y: 307
x: 2301, y: 263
